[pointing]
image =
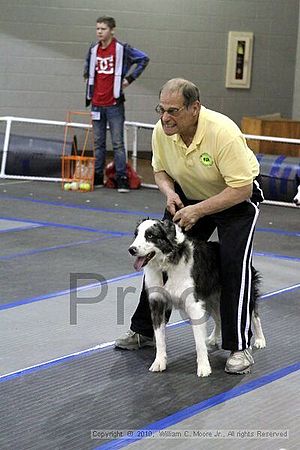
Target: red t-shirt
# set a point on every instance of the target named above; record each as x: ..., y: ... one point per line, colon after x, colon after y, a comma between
x: 104, y: 76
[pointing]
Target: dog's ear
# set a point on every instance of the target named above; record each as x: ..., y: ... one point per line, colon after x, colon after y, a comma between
x: 137, y: 226
x: 175, y: 232
x: 170, y: 228
x: 141, y: 221
x: 168, y: 224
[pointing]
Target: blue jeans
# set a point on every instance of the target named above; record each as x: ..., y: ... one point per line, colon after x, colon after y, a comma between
x: 115, y: 117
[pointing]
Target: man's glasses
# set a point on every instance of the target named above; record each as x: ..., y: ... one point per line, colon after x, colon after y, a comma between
x: 171, y: 111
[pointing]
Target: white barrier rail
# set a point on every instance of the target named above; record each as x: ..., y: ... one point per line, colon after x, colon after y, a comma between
x: 135, y: 126
x: 9, y: 121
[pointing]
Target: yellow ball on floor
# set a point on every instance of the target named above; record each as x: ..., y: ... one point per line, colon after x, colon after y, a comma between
x: 85, y: 186
x: 67, y: 186
x: 74, y: 186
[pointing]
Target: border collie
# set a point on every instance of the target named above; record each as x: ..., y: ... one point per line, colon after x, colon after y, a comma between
x: 296, y: 199
x: 192, y: 270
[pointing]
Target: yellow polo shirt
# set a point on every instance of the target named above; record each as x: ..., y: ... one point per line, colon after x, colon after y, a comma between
x: 218, y: 157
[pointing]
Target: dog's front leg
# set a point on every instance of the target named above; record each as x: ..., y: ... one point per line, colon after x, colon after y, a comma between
x: 157, y: 302
x: 158, y: 308
x: 198, y: 320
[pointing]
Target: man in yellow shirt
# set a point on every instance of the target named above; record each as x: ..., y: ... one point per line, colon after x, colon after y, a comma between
x: 210, y: 179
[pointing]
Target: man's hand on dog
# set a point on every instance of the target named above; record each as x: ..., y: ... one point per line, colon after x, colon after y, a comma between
x: 174, y: 203
x: 184, y: 216
x: 187, y: 217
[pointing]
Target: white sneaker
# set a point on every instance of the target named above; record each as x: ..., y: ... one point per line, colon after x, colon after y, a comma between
x: 134, y: 341
x: 239, y: 362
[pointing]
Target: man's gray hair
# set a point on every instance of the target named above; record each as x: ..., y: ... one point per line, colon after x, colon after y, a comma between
x: 186, y: 88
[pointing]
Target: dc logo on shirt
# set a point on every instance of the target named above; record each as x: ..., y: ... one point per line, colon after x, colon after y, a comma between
x: 206, y: 159
x: 105, y: 65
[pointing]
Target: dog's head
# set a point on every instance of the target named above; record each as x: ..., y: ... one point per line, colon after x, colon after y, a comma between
x: 154, y: 237
x: 296, y: 199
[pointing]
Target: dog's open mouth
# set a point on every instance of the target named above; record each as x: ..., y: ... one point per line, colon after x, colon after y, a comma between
x: 142, y: 261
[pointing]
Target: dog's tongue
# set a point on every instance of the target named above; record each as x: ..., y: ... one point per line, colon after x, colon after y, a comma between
x: 139, y: 262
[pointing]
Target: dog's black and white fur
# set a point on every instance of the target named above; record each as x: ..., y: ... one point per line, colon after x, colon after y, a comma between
x: 193, y: 285
x: 296, y: 199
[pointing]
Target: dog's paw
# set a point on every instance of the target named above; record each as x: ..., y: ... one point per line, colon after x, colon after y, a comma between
x: 159, y: 365
x: 260, y: 343
x: 203, y: 370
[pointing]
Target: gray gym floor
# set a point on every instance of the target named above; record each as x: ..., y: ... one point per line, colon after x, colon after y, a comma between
x: 60, y: 376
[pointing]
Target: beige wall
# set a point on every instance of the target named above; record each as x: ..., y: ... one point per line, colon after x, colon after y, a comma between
x: 43, y: 43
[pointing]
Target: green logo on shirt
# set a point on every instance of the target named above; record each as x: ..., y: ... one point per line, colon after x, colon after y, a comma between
x: 206, y: 159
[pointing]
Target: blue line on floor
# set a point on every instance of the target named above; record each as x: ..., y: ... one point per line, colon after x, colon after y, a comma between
x: 70, y: 227
x: 37, y: 224
x: 121, y: 277
x: 276, y: 256
x: 107, y: 346
x: 127, y: 212
x: 278, y: 231
x: 26, y: 301
x: 85, y: 207
x: 54, y: 248
x: 198, y: 408
x: 126, y: 233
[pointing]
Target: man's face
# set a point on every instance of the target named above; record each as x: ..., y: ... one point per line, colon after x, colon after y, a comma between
x: 177, y: 118
x: 103, y: 32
